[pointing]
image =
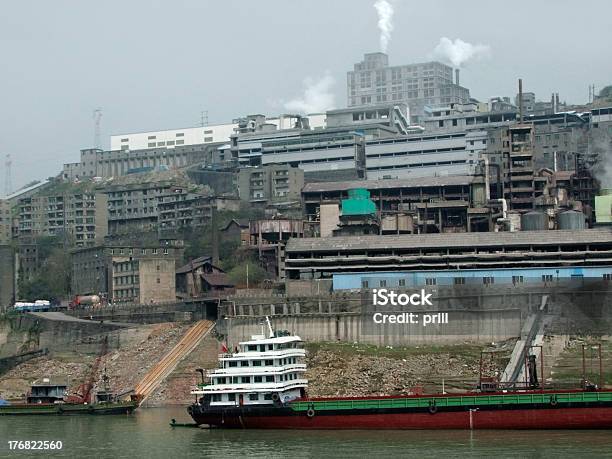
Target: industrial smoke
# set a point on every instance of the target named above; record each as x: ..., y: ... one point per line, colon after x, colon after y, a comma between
x: 602, y: 170
x: 459, y: 52
x: 317, y: 96
x: 384, y: 9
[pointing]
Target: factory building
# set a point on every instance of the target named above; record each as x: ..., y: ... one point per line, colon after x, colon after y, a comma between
x: 429, y: 84
x: 116, y: 163
x: 313, y: 258
x: 425, y: 205
x: 200, y: 135
x: 508, y: 277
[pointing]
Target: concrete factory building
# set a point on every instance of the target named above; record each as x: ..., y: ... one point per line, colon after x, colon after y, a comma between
x: 373, y: 81
x: 309, y: 258
x: 430, y: 204
x: 213, y: 133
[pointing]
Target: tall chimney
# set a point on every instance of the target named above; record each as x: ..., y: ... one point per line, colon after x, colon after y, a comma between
x: 457, y: 77
x: 520, y: 100
x: 214, y: 236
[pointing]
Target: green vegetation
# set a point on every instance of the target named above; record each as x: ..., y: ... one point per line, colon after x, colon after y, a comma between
x: 238, y: 274
x: 52, y: 281
x: 232, y: 256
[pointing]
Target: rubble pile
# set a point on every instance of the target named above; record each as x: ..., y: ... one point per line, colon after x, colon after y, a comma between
x: 15, y: 384
x: 334, y: 373
x: 127, y: 366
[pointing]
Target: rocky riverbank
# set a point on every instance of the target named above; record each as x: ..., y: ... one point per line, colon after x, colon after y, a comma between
x: 355, y: 370
x: 334, y: 369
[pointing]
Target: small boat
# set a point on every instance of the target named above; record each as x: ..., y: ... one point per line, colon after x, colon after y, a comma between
x: 262, y: 386
x: 51, y: 398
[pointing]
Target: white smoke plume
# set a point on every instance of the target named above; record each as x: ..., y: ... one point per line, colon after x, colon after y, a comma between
x: 602, y: 170
x: 459, y: 52
x: 385, y: 22
x: 317, y: 96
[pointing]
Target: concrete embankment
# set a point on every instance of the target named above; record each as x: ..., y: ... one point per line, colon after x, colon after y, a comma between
x: 463, y: 326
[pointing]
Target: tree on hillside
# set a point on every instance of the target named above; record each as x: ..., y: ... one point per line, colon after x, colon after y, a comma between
x: 52, y: 282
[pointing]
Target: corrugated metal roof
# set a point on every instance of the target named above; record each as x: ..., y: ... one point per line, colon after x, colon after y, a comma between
x: 450, y: 180
x: 451, y: 240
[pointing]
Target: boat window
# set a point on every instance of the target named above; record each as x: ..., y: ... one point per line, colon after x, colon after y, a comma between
x: 262, y: 348
x: 269, y: 378
x: 269, y: 362
x: 253, y: 397
x: 252, y: 347
x: 257, y: 379
x: 216, y: 397
x: 231, y: 397
x: 235, y: 379
x: 267, y: 396
x: 246, y: 379
x: 244, y: 363
x: 233, y: 364
x: 270, y: 347
x: 256, y: 363
x: 220, y: 380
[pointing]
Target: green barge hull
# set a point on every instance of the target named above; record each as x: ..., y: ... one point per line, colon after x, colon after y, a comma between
x: 59, y: 409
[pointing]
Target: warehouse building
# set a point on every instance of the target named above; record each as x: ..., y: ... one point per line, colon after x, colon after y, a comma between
x: 309, y: 258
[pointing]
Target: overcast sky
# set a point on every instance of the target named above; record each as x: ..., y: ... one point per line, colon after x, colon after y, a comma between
x: 157, y: 64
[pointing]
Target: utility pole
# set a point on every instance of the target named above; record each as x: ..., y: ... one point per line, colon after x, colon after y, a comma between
x: 97, y: 116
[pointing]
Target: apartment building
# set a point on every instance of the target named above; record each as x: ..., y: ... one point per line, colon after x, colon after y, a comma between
x: 127, y: 271
x: 6, y: 222
x: 270, y: 183
x: 78, y: 216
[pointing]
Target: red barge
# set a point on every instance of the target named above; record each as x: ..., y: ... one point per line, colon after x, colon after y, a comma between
x: 261, y: 386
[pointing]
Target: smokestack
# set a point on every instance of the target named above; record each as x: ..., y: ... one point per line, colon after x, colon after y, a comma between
x: 214, y: 236
x: 556, y: 102
x: 457, y: 77
x: 520, y: 100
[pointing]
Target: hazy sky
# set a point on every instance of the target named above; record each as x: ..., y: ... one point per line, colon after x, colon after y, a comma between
x: 157, y: 64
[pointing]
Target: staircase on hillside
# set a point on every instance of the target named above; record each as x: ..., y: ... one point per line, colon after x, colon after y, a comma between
x: 169, y: 362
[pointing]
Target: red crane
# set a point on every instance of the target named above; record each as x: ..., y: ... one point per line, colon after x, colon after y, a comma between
x: 83, y: 392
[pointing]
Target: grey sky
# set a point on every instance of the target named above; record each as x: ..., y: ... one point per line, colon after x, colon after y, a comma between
x: 156, y: 64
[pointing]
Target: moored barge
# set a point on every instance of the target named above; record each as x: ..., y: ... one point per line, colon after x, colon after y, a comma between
x: 261, y: 386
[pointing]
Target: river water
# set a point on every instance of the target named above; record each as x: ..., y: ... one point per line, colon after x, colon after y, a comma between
x: 147, y: 434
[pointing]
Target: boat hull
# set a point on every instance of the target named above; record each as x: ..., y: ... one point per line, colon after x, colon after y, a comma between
x: 591, y: 415
x: 67, y: 409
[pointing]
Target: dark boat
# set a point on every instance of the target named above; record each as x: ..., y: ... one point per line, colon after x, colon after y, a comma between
x: 50, y: 398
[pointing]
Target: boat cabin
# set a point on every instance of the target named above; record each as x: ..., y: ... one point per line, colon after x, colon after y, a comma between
x: 47, y: 391
x: 262, y: 371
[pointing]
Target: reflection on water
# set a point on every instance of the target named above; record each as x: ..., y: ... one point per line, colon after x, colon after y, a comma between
x: 147, y: 434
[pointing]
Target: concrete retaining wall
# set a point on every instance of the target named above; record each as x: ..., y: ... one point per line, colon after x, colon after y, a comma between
x: 472, y: 326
